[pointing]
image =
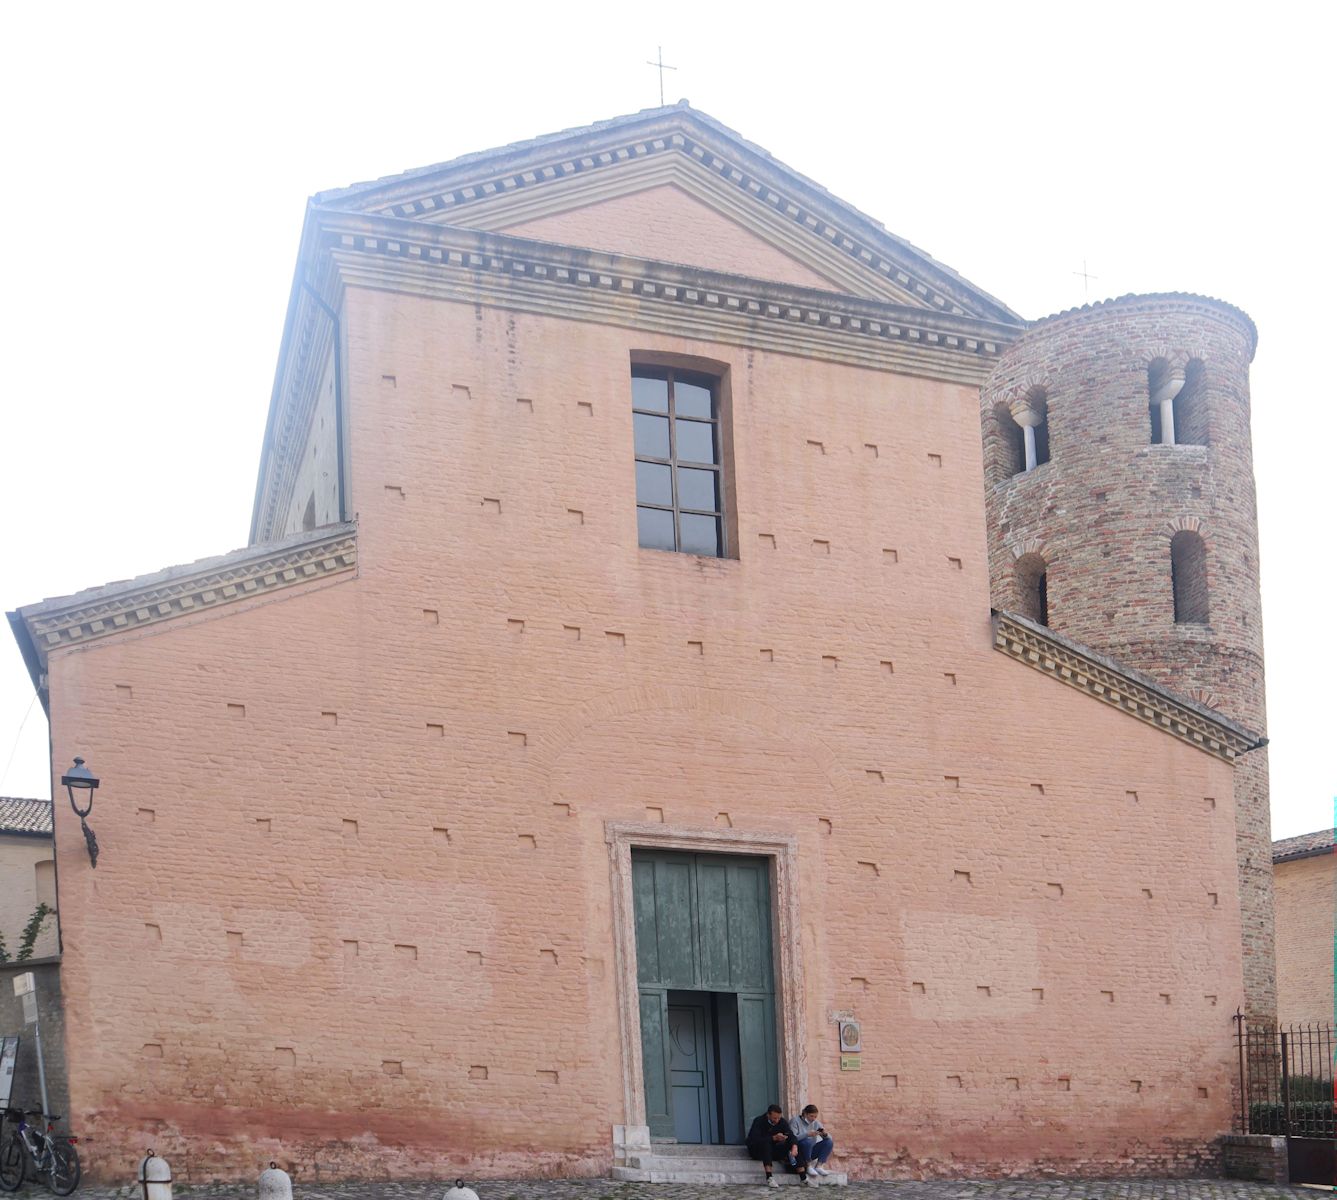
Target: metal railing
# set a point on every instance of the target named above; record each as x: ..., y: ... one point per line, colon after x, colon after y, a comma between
x: 1286, y: 1078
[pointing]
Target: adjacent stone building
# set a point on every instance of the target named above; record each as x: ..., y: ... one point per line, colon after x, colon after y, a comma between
x: 609, y: 730
x: 1305, y: 869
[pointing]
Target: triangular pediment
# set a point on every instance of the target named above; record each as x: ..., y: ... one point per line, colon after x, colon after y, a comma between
x: 670, y: 222
x: 674, y: 185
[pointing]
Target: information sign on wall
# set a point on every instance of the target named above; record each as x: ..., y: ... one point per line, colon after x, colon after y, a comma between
x: 9, y: 1054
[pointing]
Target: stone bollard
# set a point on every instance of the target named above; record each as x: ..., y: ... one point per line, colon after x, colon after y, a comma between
x: 155, y: 1178
x: 275, y: 1184
x: 460, y: 1192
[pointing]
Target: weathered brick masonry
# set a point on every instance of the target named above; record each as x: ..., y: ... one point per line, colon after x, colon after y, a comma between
x: 1100, y: 515
x: 354, y: 908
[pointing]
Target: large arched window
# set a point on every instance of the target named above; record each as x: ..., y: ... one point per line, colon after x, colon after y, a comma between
x: 1188, y: 577
x: 1033, y: 588
x: 1176, y: 405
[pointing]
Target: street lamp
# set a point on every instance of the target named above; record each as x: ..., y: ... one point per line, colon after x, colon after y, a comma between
x: 81, y: 780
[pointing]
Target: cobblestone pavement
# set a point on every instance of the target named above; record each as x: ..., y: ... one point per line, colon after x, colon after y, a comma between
x: 604, y: 1189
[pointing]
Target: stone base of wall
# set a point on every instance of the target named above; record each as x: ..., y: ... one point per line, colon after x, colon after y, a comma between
x: 1257, y: 1156
x: 1172, y: 1158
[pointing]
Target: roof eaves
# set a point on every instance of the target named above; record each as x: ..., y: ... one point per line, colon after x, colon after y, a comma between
x: 841, y: 209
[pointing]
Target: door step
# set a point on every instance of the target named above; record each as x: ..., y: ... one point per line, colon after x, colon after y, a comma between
x: 706, y: 1164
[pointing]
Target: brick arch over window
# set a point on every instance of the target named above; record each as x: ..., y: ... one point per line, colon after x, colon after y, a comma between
x: 1188, y: 577
x: 1032, y: 576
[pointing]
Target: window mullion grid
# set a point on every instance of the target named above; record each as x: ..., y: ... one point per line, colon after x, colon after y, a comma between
x: 673, y: 462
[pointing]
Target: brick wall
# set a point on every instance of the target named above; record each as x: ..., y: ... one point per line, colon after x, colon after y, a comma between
x: 1306, y: 900
x: 353, y: 909
x: 1102, y: 513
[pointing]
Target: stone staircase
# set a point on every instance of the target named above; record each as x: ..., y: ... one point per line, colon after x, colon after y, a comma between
x: 672, y: 1162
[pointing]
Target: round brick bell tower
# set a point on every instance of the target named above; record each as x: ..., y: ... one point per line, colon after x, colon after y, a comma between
x: 1120, y: 499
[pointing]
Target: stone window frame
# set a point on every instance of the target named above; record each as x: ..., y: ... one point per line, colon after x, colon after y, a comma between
x: 791, y: 1037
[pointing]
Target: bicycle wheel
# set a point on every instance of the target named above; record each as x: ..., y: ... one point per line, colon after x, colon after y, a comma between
x: 12, y: 1158
x: 64, y: 1170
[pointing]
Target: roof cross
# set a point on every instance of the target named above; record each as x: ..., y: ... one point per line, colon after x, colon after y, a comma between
x: 663, y: 66
x: 1086, y: 280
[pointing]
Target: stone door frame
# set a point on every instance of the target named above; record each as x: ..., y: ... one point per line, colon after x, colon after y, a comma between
x: 791, y: 1039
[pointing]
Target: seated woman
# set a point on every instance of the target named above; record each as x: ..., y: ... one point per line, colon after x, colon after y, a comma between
x: 814, y: 1143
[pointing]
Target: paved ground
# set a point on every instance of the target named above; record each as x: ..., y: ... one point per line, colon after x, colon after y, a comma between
x: 603, y: 1189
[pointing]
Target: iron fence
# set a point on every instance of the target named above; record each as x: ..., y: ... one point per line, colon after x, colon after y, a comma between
x: 1286, y: 1079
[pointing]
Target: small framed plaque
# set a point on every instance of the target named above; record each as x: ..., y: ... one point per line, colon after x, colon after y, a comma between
x: 849, y: 1062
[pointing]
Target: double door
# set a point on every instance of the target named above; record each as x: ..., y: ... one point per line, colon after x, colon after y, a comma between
x: 706, y: 992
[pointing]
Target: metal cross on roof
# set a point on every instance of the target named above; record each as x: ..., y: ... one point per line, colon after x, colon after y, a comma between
x: 1086, y: 280
x: 663, y: 66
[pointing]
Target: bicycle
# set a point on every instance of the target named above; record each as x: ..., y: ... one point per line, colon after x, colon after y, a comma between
x: 52, y: 1156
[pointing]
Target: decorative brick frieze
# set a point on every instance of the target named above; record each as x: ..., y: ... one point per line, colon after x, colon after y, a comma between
x: 1107, y: 681
x: 451, y: 263
x: 198, y: 587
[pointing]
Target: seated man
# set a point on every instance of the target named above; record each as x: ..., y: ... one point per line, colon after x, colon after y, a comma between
x: 770, y: 1139
x: 813, y: 1143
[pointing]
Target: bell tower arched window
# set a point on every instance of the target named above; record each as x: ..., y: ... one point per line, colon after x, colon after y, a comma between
x: 1033, y: 588
x: 1188, y: 577
x: 1176, y: 408
x: 1012, y: 442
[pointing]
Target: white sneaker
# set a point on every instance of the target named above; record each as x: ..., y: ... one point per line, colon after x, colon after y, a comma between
x: 771, y: 1181
x: 819, y: 1170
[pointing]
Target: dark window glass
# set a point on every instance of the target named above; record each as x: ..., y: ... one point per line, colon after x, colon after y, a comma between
x: 654, y: 484
x: 652, y: 435
x: 700, y: 535
x: 696, y: 489
x: 692, y: 400
x: 696, y: 441
x: 675, y: 424
x: 655, y: 526
x: 650, y: 394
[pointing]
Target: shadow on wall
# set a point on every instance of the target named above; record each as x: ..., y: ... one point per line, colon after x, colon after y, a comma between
x: 51, y: 1013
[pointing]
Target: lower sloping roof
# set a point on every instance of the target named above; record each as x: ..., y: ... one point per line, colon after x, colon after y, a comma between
x: 27, y: 817
x: 1305, y: 845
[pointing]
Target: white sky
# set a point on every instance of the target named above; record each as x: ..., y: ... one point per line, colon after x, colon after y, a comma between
x: 157, y: 158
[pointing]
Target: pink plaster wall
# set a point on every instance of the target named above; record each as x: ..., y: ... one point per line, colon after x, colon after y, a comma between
x: 486, y: 724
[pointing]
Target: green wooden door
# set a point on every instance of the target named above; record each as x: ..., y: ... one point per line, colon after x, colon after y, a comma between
x: 703, y: 923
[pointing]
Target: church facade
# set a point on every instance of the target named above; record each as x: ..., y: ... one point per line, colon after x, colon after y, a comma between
x: 609, y: 731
